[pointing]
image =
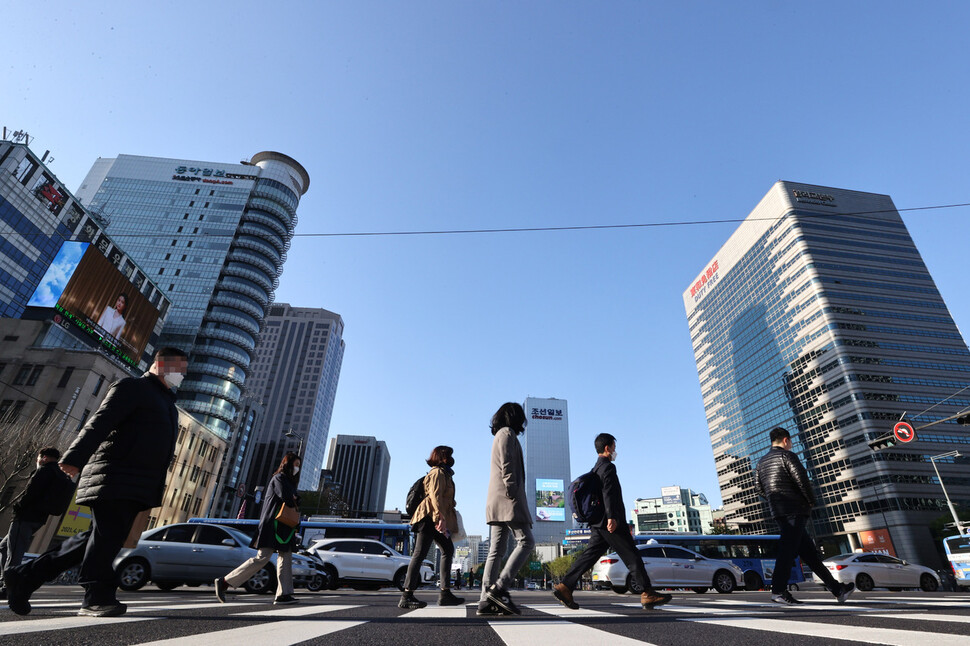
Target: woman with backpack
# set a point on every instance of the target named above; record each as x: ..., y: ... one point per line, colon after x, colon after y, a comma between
x: 434, y: 520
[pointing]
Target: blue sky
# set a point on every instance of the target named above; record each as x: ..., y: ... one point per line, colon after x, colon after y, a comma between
x: 455, y: 115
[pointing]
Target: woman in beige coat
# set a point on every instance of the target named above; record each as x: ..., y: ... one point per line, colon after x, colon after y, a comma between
x: 434, y: 520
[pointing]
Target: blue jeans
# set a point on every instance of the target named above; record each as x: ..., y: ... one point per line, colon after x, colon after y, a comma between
x: 498, y: 543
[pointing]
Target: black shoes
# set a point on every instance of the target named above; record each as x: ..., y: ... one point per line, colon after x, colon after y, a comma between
x: 107, y: 610
x: 221, y: 587
x: 18, y: 593
x: 285, y: 600
x: 842, y: 591
x: 409, y: 601
x: 488, y: 609
x: 501, y: 598
x: 785, y: 599
x: 446, y: 598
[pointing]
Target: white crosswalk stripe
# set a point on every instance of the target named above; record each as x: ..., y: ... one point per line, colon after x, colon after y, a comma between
x: 435, y: 612
x: 292, y: 632
x: 60, y: 623
x: 295, y: 611
x: 530, y: 632
x: 560, y: 610
x: 866, y: 634
x: 926, y: 616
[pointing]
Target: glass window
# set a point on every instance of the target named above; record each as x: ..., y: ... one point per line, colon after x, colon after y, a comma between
x: 867, y: 558
x: 651, y: 552
x: 347, y: 546
x: 373, y: 548
x: 677, y: 553
x: 179, y: 534
x: 209, y: 535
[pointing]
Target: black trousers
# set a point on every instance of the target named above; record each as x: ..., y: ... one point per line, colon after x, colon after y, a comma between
x: 425, y: 534
x: 600, y: 541
x: 94, y: 550
x: 796, y: 541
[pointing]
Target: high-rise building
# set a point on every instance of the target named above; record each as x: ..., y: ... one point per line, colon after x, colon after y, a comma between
x: 676, y: 510
x: 361, y: 465
x: 819, y: 315
x: 545, y: 445
x: 214, y: 236
x: 295, y: 375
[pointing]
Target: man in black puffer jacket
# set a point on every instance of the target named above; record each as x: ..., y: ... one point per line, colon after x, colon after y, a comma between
x: 783, y: 482
x: 124, y: 451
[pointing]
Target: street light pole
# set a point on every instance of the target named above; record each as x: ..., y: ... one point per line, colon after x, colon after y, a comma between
x: 933, y: 459
x: 290, y: 434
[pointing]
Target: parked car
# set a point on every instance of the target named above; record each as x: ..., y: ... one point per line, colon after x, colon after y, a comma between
x: 669, y: 566
x: 364, y: 564
x: 869, y: 570
x: 193, y: 554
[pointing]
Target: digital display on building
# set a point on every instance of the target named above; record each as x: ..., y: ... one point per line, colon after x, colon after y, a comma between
x: 86, y: 290
x: 550, y: 500
x: 670, y: 495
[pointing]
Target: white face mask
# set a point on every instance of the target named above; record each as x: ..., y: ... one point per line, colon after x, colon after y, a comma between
x: 613, y: 455
x: 173, y: 379
x: 296, y: 470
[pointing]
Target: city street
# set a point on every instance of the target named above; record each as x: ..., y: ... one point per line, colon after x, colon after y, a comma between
x: 190, y: 616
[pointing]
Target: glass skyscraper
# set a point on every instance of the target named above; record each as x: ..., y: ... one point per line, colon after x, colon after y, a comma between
x: 214, y: 236
x: 818, y: 314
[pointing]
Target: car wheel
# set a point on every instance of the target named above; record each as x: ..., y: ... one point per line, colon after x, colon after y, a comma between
x: 927, y: 583
x: 724, y: 582
x: 399, y: 577
x: 133, y: 574
x: 167, y: 585
x: 864, y: 582
x: 753, y: 581
x: 619, y: 589
x: 633, y: 586
x: 261, y: 582
x: 316, y: 583
x: 333, y: 581
x: 699, y: 590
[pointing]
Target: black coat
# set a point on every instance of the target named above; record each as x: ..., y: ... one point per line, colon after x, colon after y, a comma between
x: 612, y: 493
x: 783, y: 482
x: 30, y: 506
x: 125, y: 448
x: 280, y: 490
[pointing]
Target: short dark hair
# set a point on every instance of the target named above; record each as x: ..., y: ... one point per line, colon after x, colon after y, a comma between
x: 509, y: 415
x: 168, y: 351
x: 778, y: 434
x: 440, y: 456
x: 286, y: 464
x: 50, y: 452
x: 602, y: 441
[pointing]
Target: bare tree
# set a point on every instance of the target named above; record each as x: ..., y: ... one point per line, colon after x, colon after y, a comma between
x: 20, y: 441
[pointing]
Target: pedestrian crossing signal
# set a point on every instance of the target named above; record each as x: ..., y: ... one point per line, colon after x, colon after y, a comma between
x: 883, y: 442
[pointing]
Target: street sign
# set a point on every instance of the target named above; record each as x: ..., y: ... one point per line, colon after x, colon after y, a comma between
x: 241, y: 491
x: 904, y: 432
x: 535, y: 566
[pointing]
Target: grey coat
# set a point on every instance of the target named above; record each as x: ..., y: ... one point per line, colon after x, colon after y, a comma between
x: 506, y: 501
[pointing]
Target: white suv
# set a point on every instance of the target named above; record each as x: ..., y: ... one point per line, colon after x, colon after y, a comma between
x: 363, y: 563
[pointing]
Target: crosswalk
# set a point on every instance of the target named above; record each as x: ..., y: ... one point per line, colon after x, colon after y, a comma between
x: 896, y: 621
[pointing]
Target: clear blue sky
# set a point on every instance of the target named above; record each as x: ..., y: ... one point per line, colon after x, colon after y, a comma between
x: 453, y: 115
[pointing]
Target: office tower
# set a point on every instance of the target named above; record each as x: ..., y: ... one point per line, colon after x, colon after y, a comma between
x: 295, y: 375
x: 545, y: 445
x: 214, y: 236
x: 675, y: 510
x: 360, y: 465
x: 819, y: 315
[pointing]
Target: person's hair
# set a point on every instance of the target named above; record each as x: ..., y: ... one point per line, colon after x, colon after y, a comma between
x: 168, y: 352
x: 602, y: 441
x: 124, y: 296
x: 509, y: 415
x: 50, y: 452
x: 286, y: 465
x: 439, y: 456
x: 778, y: 434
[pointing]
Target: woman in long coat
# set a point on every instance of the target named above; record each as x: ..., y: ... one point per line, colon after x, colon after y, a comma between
x: 272, y: 535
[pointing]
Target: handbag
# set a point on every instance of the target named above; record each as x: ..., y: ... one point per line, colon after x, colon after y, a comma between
x: 289, y: 516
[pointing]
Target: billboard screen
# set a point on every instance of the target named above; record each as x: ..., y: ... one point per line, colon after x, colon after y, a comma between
x: 550, y: 500
x: 670, y: 495
x: 87, y: 290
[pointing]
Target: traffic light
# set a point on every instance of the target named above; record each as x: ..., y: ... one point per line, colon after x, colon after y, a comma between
x: 964, y: 419
x: 883, y: 442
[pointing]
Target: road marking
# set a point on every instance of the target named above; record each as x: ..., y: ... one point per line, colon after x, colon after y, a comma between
x: 560, y: 633
x: 295, y: 611
x: 436, y: 612
x: 935, y: 604
x: 271, y: 632
x: 560, y: 610
x: 61, y: 623
x: 866, y: 634
x: 706, y: 610
x: 927, y: 616
x: 189, y: 606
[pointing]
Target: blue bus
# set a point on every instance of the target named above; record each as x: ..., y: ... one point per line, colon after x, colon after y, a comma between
x: 957, y: 550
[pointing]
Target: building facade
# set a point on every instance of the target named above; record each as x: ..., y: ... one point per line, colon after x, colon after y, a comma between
x: 545, y: 445
x: 214, y: 236
x: 676, y: 510
x: 361, y: 465
x: 819, y: 315
x: 295, y: 374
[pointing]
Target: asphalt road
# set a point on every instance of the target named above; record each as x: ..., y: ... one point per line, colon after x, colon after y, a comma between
x: 190, y: 616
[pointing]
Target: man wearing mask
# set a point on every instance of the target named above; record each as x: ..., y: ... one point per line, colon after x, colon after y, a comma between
x: 122, y: 454
x: 611, y: 532
x: 29, y: 512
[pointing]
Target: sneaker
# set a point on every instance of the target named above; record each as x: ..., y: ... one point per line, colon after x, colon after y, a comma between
x: 3, y: 593
x: 285, y: 600
x: 489, y: 609
x: 652, y: 599
x: 18, y: 593
x: 501, y: 598
x: 410, y: 602
x: 221, y: 587
x: 104, y: 610
x: 447, y: 598
x: 562, y: 592
x: 785, y: 599
x: 845, y: 589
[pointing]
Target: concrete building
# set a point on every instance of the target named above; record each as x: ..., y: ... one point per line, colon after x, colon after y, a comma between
x: 295, y: 374
x: 818, y: 314
x: 361, y: 465
x: 545, y: 445
x: 676, y: 510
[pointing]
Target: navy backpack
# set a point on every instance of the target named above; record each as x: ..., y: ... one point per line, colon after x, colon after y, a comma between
x: 586, y: 498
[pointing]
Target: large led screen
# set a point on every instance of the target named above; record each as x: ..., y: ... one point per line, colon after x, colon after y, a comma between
x: 86, y: 289
x: 550, y: 500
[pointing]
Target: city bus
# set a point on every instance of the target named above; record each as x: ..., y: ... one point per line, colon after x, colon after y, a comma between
x: 396, y: 535
x: 957, y: 550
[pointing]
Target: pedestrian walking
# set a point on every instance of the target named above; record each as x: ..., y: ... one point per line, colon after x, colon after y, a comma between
x: 29, y: 511
x: 272, y: 536
x: 506, y: 512
x: 123, y: 454
x: 611, y: 531
x: 783, y: 482
x: 434, y: 521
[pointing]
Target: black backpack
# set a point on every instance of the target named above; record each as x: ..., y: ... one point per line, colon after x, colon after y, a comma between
x: 586, y: 498
x: 60, y: 492
x: 415, y: 496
